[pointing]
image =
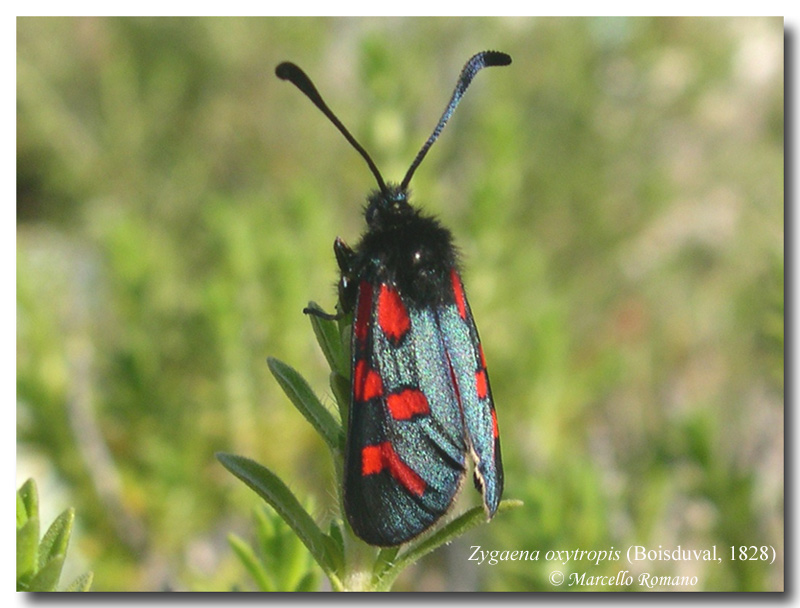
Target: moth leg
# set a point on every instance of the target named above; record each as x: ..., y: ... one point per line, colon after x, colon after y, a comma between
x: 318, y: 312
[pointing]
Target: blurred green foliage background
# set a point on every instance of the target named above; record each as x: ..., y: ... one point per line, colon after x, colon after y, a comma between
x: 617, y: 194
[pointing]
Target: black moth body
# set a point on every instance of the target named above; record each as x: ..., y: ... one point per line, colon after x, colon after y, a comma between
x: 420, y: 395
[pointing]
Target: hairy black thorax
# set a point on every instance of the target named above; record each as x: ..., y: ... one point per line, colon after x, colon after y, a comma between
x: 406, y: 249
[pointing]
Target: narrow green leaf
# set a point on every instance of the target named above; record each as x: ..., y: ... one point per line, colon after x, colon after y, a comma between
x: 264, y: 526
x: 308, y: 582
x: 295, y: 564
x: 56, y: 539
x: 46, y: 578
x: 304, y: 399
x: 472, y: 518
x: 251, y: 563
x: 22, y: 512
x: 335, y: 534
x: 384, y: 560
x: 27, y: 502
x: 270, y: 487
x: 330, y: 341
x: 82, y: 583
x: 340, y: 387
x: 27, y: 546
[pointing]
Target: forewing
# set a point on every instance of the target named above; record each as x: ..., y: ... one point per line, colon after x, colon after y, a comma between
x: 406, y: 443
x: 465, y: 354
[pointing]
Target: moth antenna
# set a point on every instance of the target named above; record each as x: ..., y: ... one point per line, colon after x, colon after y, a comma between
x: 292, y: 73
x: 476, y: 63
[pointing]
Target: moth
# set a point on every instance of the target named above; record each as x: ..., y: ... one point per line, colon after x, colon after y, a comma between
x: 421, y: 403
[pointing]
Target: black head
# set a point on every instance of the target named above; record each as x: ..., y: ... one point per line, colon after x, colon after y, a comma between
x: 387, y: 207
x: 393, y: 197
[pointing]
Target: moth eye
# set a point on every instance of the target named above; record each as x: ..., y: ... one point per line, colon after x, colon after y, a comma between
x: 417, y: 257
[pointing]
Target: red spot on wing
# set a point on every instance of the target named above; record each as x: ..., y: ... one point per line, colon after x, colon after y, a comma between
x: 392, y: 314
x: 376, y: 458
x: 372, y: 459
x: 366, y: 382
x: 481, y: 383
x: 495, y: 429
x: 363, y: 313
x: 480, y: 353
x: 458, y: 291
x: 407, y: 403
